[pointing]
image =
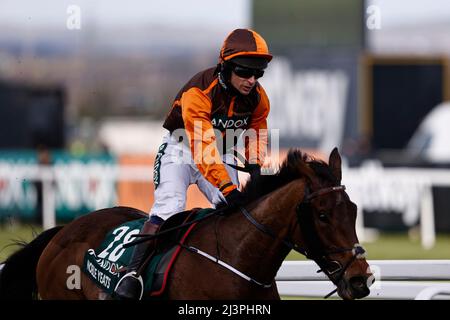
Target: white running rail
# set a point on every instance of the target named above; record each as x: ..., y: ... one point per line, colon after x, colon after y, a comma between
x: 394, y: 279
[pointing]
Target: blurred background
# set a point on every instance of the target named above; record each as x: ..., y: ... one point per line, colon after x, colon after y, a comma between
x: 85, y: 87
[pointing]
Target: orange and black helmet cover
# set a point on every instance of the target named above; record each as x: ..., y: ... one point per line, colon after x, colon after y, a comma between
x: 244, y: 43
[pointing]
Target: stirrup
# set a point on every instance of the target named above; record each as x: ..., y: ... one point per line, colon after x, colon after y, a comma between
x: 132, y: 274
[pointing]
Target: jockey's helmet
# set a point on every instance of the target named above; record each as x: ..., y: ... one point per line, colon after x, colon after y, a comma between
x: 246, y: 48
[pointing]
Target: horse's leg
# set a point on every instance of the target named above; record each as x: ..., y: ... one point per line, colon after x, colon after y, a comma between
x: 60, y: 276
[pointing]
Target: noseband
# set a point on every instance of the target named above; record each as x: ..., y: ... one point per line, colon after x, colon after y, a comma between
x: 357, y: 250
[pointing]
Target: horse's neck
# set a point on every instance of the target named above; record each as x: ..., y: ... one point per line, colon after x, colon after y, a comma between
x: 259, y: 252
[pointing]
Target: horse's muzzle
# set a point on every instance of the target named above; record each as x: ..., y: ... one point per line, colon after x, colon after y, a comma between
x: 356, y: 287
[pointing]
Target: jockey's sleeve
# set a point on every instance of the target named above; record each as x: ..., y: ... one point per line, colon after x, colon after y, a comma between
x: 257, y: 139
x: 196, y: 111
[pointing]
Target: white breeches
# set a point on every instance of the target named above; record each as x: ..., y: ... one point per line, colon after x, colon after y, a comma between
x: 174, y: 172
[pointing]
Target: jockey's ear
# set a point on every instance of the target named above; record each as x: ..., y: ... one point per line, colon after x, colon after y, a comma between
x: 335, y: 164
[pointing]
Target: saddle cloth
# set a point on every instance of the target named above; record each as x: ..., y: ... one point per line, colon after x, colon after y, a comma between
x: 106, y: 264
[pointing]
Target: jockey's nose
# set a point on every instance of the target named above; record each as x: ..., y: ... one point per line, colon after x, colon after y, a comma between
x: 252, y: 80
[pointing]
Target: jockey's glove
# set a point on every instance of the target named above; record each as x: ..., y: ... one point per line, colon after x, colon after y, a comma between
x: 235, y: 199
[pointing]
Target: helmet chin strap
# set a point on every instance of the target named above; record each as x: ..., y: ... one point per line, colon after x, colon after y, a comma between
x: 222, y: 80
x: 224, y: 77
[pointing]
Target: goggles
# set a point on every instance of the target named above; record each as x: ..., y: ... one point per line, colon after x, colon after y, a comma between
x: 247, y: 73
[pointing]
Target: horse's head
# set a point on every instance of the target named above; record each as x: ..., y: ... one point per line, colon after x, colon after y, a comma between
x: 327, y: 220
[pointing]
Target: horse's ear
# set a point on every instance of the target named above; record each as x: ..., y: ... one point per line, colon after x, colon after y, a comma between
x: 335, y: 164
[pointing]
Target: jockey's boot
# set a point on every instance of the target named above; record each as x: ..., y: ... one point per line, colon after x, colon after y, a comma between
x: 131, y: 285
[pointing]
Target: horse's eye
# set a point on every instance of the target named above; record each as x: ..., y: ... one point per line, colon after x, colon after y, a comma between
x: 323, y: 217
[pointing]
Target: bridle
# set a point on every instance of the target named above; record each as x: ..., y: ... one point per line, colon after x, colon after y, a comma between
x: 357, y: 250
x: 320, y: 256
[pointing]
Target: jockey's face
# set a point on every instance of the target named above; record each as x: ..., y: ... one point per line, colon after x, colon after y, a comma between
x: 243, y: 85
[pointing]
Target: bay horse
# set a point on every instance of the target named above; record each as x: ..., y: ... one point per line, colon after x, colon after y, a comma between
x: 302, y: 207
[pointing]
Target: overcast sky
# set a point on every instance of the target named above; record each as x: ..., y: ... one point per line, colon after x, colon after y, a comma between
x: 224, y: 13
x: 214, y: 13
x: 216, y: 18
x: 406, y: 12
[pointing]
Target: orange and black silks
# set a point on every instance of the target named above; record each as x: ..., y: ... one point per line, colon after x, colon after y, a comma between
x: 206, y: 102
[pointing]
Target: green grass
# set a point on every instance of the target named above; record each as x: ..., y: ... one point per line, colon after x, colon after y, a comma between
x: 11, y: 232
x: 391, y: 246
x: 398, y: 246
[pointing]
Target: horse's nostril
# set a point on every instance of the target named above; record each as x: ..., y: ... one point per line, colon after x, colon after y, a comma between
x: 359, y: 287
x: 358, y: 283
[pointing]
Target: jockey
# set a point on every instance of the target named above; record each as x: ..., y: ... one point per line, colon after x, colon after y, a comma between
x: 223, y: 100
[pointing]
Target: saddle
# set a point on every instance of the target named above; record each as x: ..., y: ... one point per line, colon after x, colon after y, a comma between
x: 105, y: 265
x: 166, y: 241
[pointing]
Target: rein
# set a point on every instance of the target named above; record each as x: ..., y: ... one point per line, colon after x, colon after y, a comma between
x: 269, y: 232
x: 357, y: 250
x: 289, y: 243
x: 147, y: 237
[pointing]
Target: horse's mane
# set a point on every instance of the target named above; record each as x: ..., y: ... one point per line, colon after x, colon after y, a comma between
x: 297, y: 165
